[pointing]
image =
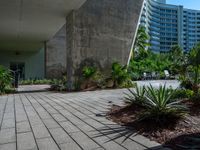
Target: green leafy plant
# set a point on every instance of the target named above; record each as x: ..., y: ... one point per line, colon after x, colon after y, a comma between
x: 159, y: 104
x: 183, y: 93
x: 35, y: 81
x: 152, y: 63
x: 5, y: 79
x: 100, y: 79
x: 59, y: 84
x: 88, y: 72
x: 141, y: 43
x: 119, y: 74
x: 186, y: 82
x: 136, y: 96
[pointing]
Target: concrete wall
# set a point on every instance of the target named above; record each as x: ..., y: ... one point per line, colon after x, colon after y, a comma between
x: 56, y: 55
x: 101, y: 32
x: 34, y: 62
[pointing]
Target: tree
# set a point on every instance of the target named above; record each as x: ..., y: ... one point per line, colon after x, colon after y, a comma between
x: 179, y: 60
x: 176, y: 52
x: 194, y: 61
x: 141, y: 42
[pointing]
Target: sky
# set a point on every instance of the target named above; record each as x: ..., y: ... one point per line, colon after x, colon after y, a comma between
x: 190, y: 4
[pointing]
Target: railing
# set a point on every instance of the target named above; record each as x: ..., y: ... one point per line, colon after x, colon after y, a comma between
x: 15, y: 81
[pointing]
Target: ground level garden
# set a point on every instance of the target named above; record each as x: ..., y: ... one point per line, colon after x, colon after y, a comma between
x: 166, y: 115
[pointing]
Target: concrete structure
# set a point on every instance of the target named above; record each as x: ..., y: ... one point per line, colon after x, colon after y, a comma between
x: 24, y: 28
x: 170, y: 25
x: 98, y: 33
x: 101, y: 32
x: 56, y: 55
x: 67, y: 35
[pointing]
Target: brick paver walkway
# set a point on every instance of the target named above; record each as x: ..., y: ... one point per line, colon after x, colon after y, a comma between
x: 55, y: 121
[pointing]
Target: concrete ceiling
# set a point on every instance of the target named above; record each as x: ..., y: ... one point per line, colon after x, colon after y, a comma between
x: 26, y: 24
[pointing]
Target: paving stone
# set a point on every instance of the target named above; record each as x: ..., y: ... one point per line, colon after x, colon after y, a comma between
x: 94, y: 123
x: 35, y: 120
x: 144, y: 141
x: 99, y: 148
x: 80, y: 115
x: 44, y: 115
x: 60, y: 136
x: 7, y: 136
x: 84, y: 141
x: 50, y: 123
x: 40, y: 131
x: 85, y: 127
x: 75, y: 120
x: 8, y: 146
x: 69, y: 146
x: 129, y: 144
x: 8, y: 123
x: 8, y: 116
x: 65, y: 113
x: 47, y: 144
x: 107, y: 143
x: 23, y: 127
x: 59, y: 117
x: 58, y: 107
x: 21, y: 117
x: 52, y: 110
x: 26, y: 141
x: 69, y: 127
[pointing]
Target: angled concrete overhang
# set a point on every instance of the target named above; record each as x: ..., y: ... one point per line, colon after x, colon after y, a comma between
x: 26, y: 24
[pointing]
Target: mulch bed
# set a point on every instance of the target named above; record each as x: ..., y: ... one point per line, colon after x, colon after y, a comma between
x: 177, y: 134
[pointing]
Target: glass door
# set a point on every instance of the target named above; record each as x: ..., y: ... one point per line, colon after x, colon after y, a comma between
x: 18, y: 67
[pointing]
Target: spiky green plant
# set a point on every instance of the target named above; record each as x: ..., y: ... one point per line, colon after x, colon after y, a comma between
x: 136, y: 96
x: 159, y: 104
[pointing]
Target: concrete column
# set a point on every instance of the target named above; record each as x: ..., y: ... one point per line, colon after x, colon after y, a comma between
x: 55, y: 50
x: 100, y: 32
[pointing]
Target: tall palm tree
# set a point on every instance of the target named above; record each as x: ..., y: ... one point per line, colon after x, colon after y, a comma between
x: 176, y: 52
x: 179, y: 60
x: 141, y: 41
x: 194, y: 61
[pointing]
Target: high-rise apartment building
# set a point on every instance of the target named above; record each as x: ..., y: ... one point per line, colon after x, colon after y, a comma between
x: 170, y: 25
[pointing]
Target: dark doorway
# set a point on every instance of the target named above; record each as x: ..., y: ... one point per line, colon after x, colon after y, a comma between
x: 18, y: 67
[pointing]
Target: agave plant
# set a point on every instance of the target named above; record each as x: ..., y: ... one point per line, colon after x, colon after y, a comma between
x: 159, y: 103
x: 136, y: 96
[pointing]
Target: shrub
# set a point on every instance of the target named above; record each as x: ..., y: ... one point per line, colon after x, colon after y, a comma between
x: 99, y: 79
x: 185, y: 82
x: 5, y: 79
x: 158, y: 104
x: 127, y: 84
x: 136, y: 96
x: 35, y: 81
x: 119, y: 74
x: 88, y: 72
x: 59, y: 84
x: 183, y: 93
x: 135, y: 76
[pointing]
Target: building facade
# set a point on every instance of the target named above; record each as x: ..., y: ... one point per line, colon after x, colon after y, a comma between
x: 170, y: 25
x: 49, y: 40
